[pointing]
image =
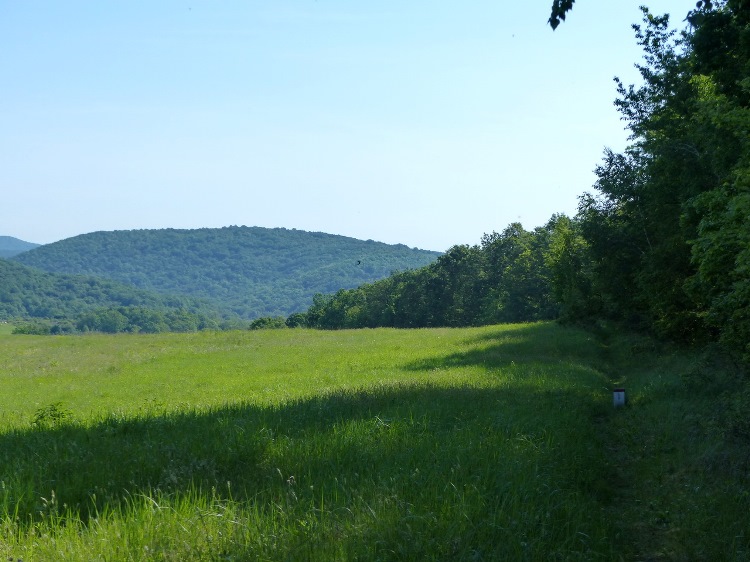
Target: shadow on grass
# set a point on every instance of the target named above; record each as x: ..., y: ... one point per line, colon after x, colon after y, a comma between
x: 245, y: 450
x: 543, y: 342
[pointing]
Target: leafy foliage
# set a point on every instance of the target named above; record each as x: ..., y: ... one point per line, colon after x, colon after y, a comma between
x: 268, y: 323
x: 559, y: 10
x: 51, y: 416
x: 668, y: 231
x: 505, y: 279
x: 250, y: 272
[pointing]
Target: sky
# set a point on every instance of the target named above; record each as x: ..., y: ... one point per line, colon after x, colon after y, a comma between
x: 425, y: 123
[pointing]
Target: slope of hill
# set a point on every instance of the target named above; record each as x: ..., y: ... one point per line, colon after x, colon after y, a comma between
x: 10, y: 246
x: 26, y: 292
x: 253, y: 271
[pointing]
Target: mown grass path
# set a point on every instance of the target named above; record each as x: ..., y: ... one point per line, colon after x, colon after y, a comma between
x: 473, y: 444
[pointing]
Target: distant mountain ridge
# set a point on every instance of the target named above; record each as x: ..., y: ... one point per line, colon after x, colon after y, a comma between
x: 10, y: 246
x: 251, y: 271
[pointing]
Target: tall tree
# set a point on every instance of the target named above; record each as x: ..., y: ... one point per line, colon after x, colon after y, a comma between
x: 668, y: 228
x: 721, y: 248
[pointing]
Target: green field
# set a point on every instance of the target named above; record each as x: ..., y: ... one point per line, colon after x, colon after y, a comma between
x: 495, y: 443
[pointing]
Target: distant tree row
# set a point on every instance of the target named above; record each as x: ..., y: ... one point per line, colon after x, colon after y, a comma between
x: 44, y: 303
x: 131, y: 319
x: 505, y: 279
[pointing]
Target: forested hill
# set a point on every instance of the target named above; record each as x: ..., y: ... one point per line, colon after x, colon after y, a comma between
x: 251, y: 270
x: 70, y: 300
x: 10, y: 246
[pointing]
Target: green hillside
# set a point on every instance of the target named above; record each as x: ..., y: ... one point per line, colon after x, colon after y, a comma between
x: 28, y: 293
x: 252, y: 271
x: 10, y: 246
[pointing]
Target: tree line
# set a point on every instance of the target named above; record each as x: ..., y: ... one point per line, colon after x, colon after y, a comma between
x: 504, y: 279
x: 662, y: 243
x: 131, y: 319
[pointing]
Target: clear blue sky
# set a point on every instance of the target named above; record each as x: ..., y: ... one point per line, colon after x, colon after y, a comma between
x: 426, y: 123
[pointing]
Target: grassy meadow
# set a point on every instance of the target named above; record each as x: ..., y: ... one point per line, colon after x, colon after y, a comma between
x: 493, y: 443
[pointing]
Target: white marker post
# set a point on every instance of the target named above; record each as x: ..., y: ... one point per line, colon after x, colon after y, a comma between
x: 619, y: 397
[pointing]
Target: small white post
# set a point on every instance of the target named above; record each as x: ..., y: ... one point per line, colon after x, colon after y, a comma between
x: 619, y: 397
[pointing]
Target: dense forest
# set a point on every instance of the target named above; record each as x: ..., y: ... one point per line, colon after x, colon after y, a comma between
x: 249, y: 272
x: 662, y: 244
x: 57, y: 303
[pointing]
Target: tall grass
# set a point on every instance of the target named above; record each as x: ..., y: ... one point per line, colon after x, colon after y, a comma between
x: 475, y: 444
x: 681, y: 466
